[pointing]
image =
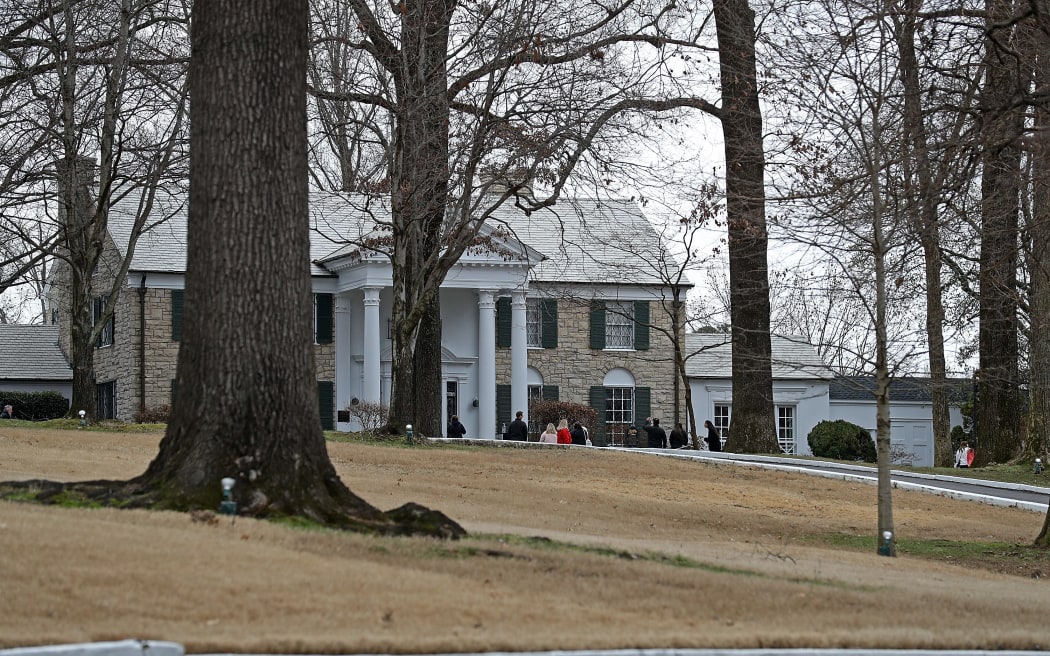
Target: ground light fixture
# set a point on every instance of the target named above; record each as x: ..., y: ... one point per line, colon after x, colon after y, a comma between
x: 83, y: 418
x: 228, y: 506
x: 1038, y: 465
x: 886, y: 546
x: 408, y: 433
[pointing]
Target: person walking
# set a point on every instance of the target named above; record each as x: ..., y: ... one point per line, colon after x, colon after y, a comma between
x: 549, y: 436
x: 518, y: 429
x: 564, y: 437
x: 963, y: 457
x: 657, y: 435
x: 578, y: 435
x: 456, y: 428
x: 713, y: 439
x: 678, y: 438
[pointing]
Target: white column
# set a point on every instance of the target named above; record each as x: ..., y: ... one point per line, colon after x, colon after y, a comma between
x: 486, y: 365
x: 519, y: 356
x: 371, y: 391
x: 344, y: 386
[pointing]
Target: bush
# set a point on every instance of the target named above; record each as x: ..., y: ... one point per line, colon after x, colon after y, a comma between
x: 35, y: 406
x: 841, y: 440
x: 372, y: 416
x: 546, y: 411
x: 157, y: 415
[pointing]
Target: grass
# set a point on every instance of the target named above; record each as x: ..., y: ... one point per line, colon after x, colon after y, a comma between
x: 1018, y: 559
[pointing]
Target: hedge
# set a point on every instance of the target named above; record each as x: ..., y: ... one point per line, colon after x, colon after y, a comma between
x: 35, y: 406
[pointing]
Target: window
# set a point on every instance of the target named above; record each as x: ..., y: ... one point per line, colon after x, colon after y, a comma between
x: 533, y: 323
x: 323, y: 319
x: 619, y: 325
x: 619, y: 413
x: 106, y: 400
x: 98, y: 309
x: 786, y: 428
x: 723, y: 415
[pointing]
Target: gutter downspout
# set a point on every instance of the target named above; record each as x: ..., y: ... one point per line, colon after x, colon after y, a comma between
x: 142, y: 345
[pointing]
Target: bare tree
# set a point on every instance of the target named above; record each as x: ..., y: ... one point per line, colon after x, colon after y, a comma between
x: 1002, y: 116
x: 87, y: 80
x: 469, y: 106
x: 246, y: 403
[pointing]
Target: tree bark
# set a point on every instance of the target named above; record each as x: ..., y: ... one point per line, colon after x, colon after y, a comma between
x: 1001, y: 115
x: 245, y: 404
x: 1038, y: 442
x: 923, y: 195
x: 752, y: 428
x: 419, y: 176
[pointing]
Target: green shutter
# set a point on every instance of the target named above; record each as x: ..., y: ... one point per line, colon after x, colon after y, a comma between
x: 642, y: 405
x: 641, y: 325
x: 503, y: 319
x: 176, y: 314
x: 597, y: 325
x: 549, y: 312
x: 598, y: 403
x: 323, y: 307
x: 550, y: 392
x: 326, y: 403
x: 504, y: 413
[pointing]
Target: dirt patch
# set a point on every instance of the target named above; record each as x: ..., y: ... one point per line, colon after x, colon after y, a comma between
x: 668, y: 553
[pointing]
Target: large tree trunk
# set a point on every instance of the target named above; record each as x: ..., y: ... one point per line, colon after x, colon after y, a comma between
x: 419, y: 176
x: 246, y: 397
x: 752, y: 429
x: 997, y: 410
x: 1038, y: 441
x: 923, y: 196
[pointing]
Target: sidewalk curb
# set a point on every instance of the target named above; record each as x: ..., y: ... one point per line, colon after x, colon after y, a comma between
x: 119, y: 648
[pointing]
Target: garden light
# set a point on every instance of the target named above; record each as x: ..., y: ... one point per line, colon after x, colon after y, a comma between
x: 228, y: 506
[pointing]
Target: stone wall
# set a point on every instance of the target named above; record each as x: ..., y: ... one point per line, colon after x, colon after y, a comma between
x: 574, y: 366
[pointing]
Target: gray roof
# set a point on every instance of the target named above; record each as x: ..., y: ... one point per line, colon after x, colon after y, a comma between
x: 38, y: 356
x: 904, y: 388
x: 710, y: 355
x: 578, y: 240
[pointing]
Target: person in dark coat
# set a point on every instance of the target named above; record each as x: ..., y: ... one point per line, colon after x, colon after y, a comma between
x: 578, y: 435
x: 455, y: 428
x: 678, y: 438
x: 657, y: 435
x: 713, y: 439
x: 518, y: 429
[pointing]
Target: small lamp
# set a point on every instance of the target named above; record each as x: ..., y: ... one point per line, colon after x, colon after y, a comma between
x: 1038, y: 465
x: 886, y: 546
x: 408, y: 433
x: 228, y: 506
x: 475, y: 403
x: 83, y: 418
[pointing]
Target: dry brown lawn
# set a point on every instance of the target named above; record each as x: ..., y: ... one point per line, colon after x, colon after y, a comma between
x: 696, y: 555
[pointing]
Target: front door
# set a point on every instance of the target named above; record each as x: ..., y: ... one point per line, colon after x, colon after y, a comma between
x: 451, y: 400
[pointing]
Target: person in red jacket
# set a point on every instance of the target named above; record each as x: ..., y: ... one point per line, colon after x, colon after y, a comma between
x: 564, y: 437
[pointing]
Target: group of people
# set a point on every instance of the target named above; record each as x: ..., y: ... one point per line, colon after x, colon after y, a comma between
x: 657, y: 437
x: 7, y: 413
x: 578, y: 434
x: 563, y: 435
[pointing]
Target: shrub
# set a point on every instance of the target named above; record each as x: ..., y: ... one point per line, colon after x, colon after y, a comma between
x: 841, y: 440
x: 157, y: 415
x: 36, y: 406
x: 546, y: 411
x: 371, y: 415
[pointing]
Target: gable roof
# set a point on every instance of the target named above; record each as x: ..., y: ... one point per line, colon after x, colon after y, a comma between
x: 710, y: 355
x: 905, y: 388
x: 39, y: 356
x: 576, y: 241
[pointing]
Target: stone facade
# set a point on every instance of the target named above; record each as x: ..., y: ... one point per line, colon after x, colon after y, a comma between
x: 575, y: 367
x: 120, y: 362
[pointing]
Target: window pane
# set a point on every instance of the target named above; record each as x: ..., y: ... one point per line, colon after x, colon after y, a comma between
x: 786, y: 428
x: 619, y: 325
x: 533, y: 323
x: 619, y: 413
x: 723, y: 415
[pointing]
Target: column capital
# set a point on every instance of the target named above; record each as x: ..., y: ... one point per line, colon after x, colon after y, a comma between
x: 372, y: 295
x: 487, y: 298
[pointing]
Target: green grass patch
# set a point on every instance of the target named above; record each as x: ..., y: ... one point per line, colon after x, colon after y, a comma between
x: 1010, y: 558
